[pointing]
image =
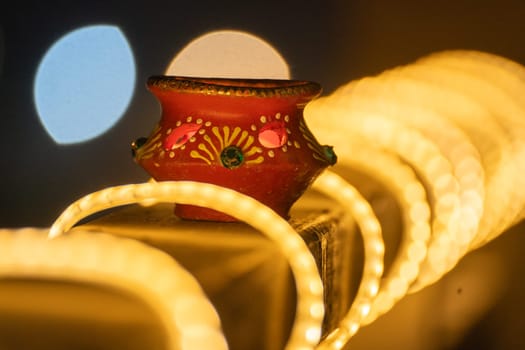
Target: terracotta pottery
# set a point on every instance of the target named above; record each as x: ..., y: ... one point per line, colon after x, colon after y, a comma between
x: 247, y: 135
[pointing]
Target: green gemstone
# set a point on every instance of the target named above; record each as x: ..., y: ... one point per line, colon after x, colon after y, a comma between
x: 232, y: 157
x: 330, y: 155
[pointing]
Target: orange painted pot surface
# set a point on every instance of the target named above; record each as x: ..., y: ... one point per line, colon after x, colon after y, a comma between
x: 247, y: 135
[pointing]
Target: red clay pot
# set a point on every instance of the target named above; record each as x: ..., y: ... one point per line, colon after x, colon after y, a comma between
x: 247, y: 135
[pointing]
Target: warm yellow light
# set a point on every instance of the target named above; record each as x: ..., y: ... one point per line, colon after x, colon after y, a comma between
x: 306, y: 331
x: 402, y: 181
x: 336, y: 187
x: 483, y: 77
x: 457, y: 118
x: 410, y: 145
x: 438, y: 89
x: 445, y: 135
x: 136, y: 268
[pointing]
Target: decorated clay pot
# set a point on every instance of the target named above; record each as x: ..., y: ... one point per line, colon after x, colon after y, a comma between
x: 247, y: 135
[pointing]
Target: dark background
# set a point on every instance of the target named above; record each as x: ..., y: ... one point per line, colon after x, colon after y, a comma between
x: 331, y: 42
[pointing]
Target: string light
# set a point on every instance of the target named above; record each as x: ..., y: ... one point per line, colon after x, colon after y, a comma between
x: 308, y: 283
x: 402, y: 182
x: 415, y: 149
x: 337, y: 188
x: 125, y: 264
x: 467, y: 104
x: 486, y: 133
x: 488, y: 83
x: 445, y: 135
x: 383, y: 94
x: 420, y: 86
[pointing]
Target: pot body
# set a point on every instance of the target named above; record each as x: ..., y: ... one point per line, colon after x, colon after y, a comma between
x: 247, y: 135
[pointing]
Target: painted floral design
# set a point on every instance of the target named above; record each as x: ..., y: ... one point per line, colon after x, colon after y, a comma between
x: 231, y: 146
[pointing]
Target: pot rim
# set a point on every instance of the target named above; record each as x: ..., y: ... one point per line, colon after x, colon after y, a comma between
x: 240, y: 87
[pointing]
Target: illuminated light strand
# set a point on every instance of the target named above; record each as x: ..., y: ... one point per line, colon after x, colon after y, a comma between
x: 421, y: 86
x: 498, y: 107
x: 472, y: 103
x: 422, y: 154
x: 411, y: 196
x: 478, y: 122
x: 401, y: 180
x: 466, y: 163
x: 308, y: 283
x: 462, y: 194
x: 502, y: 71
x: 125, y: 264
x: 336, y: 187
x: 483, y: 82
x: 380, y: 95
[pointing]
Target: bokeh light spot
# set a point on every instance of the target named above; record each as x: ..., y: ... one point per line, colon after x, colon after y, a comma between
x: 229, y: 54
x: 84, y: 83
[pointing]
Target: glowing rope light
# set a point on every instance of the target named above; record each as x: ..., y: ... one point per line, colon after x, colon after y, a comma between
x: 376, y: 95
x: 412, y: 85
x: 400, y: 179
x: 336, y: 187
x: 489, y: 137
x: 456, y: 108
x: 456, y: 82
x: 388, y: 97
x: 125, y: 264
x: 306, y: 331
x: 479, y: 81
x: 84, y: 83
x: 413, y: 147
x: 438, y: 118
x: 471, y: 115
x: 503, y: 72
